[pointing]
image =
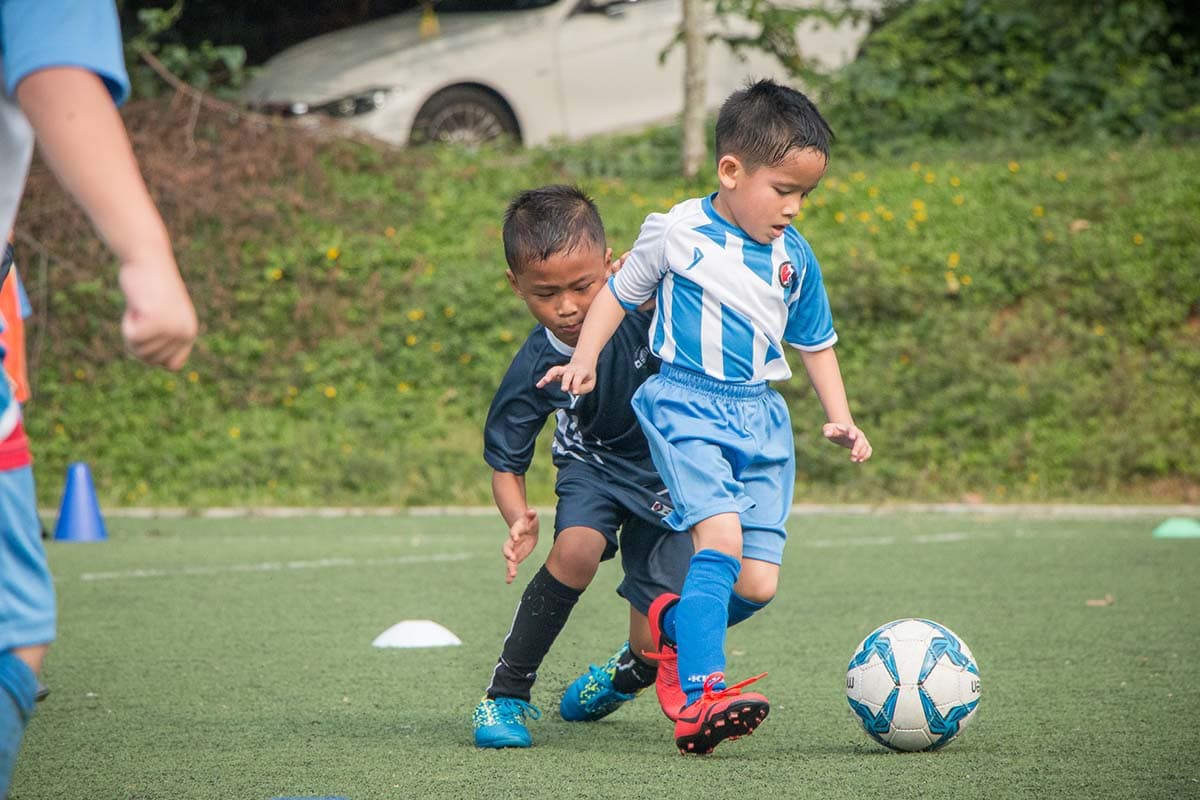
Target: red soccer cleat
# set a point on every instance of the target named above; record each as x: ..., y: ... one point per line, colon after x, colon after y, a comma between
x: 666, y: 684
x: 719, y: 715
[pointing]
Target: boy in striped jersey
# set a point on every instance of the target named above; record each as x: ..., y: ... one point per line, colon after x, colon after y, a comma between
x: 733, y: 283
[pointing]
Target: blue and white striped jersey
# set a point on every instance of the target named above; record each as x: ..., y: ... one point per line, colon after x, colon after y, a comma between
x: 725, y: 303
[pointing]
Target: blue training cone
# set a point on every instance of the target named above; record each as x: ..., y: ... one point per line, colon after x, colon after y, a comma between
x: 79, y: 517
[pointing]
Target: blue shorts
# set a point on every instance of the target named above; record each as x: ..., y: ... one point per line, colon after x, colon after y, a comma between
x: 654, y: 557
x: 26, y: 589
x: 722, y: 447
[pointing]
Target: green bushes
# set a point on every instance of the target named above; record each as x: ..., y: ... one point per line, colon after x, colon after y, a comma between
x: 964, y: 69
x: 1020, y: 327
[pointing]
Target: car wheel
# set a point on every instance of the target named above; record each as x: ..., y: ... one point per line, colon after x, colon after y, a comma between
x: 464, y: 115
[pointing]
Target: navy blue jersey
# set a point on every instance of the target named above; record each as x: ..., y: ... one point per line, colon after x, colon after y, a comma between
x: 597, y: 428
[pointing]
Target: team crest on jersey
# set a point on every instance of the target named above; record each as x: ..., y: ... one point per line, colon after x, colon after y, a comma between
x: 787, y: 274
x: 642, y: 356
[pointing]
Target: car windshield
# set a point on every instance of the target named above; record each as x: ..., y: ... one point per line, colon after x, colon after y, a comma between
x: 453, y: 6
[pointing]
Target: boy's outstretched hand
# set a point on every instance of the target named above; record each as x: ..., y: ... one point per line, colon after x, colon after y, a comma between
x: 522, y: 538
x: 159, y: 325
x: 575, y: 378
x: 850, y: 437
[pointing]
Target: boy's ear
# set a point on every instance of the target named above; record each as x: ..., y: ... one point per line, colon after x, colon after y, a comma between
x: 512, y: 283
x: 729, y: 171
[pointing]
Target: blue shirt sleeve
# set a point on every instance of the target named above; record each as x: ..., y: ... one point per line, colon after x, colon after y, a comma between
x: 36, y: 34
x: 810, y: 321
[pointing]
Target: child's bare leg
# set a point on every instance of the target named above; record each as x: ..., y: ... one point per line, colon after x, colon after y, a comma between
x: 576, y: 555
x: 758, y: 581
x: 639, y: 632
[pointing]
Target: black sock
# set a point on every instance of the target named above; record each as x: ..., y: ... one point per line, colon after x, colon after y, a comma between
x: 633, y: 673
x: 543, y: 611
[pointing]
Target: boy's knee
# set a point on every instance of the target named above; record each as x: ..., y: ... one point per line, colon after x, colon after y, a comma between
x: 758, y: 581
x: 575, y: 556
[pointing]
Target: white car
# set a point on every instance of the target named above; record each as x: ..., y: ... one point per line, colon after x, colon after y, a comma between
x: 534, y: 70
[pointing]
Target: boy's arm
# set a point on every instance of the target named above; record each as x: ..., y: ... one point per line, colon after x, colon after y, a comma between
x: 603, y: 319
x: 508, y: 490
x: 84, y: 142
x: 826, y: 377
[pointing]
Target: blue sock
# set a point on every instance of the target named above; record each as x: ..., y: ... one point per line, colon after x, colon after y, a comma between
x: 741, y: 609
x: 700, y: 619
x: 18, y: 688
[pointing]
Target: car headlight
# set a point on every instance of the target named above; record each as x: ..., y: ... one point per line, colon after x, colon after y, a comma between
x: 349, y: 106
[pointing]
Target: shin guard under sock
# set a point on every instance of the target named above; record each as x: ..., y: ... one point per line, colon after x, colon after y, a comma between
x: 701, y: 617
x: 544, y: 608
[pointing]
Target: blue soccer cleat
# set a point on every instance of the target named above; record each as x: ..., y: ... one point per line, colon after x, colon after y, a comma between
x: 500, y: 722
x: 592, y: 696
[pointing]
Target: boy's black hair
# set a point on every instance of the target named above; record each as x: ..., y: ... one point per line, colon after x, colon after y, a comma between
x: 764, y: 122
x: 543, y: 222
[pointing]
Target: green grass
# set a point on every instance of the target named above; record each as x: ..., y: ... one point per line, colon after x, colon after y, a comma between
x: 200, y: 678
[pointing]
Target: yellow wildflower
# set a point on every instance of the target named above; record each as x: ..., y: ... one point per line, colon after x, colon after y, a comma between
x: 416, y: 315
x: 193, y: 376
x: 1038, y: 211
x: 403, y: 387
x: 332, y: 254
x: 952, y: 260
x: 1138, y: 239
x: 411, y: 339
x: 389, y: 231
x: 448, y: 312
x: 955, y: 180
x: 330, y: 392
x: 506, y: 335
x: 1014, y: 167
x: 235, y: 433
x: 1060, y: 176
x: 959, y: 199
x: 839, y: 217
x: 930, y: 177
x: 276, y: 274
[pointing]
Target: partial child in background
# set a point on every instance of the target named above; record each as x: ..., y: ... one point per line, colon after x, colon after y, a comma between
x: 61, y: 69
x: 558, y: 262
x: 734, y: 283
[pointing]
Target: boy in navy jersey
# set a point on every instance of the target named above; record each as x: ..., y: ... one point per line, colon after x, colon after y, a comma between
x: 734, y: 283
x: 555, y: 247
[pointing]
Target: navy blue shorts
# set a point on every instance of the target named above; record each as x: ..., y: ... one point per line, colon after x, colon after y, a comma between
x: 654, y: 557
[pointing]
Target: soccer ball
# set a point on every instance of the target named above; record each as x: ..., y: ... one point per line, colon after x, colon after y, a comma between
x: 913, y: 685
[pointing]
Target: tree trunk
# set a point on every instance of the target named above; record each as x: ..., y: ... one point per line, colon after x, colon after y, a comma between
x: 695, y: 57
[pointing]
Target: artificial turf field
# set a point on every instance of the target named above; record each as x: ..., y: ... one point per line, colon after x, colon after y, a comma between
x: 232, y: 659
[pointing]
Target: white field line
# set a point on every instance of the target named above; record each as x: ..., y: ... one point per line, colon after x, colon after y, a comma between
x: 273, y: 566
x: 1051, y: 510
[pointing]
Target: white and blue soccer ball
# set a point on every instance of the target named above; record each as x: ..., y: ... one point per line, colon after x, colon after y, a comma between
x: 913, y: 685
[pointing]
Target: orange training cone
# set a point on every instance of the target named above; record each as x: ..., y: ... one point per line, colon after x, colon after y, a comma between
x: 79, y: 517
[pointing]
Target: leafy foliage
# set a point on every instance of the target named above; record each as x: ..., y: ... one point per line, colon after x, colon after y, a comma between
x: 963, y: 69
x: 219, y: 69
